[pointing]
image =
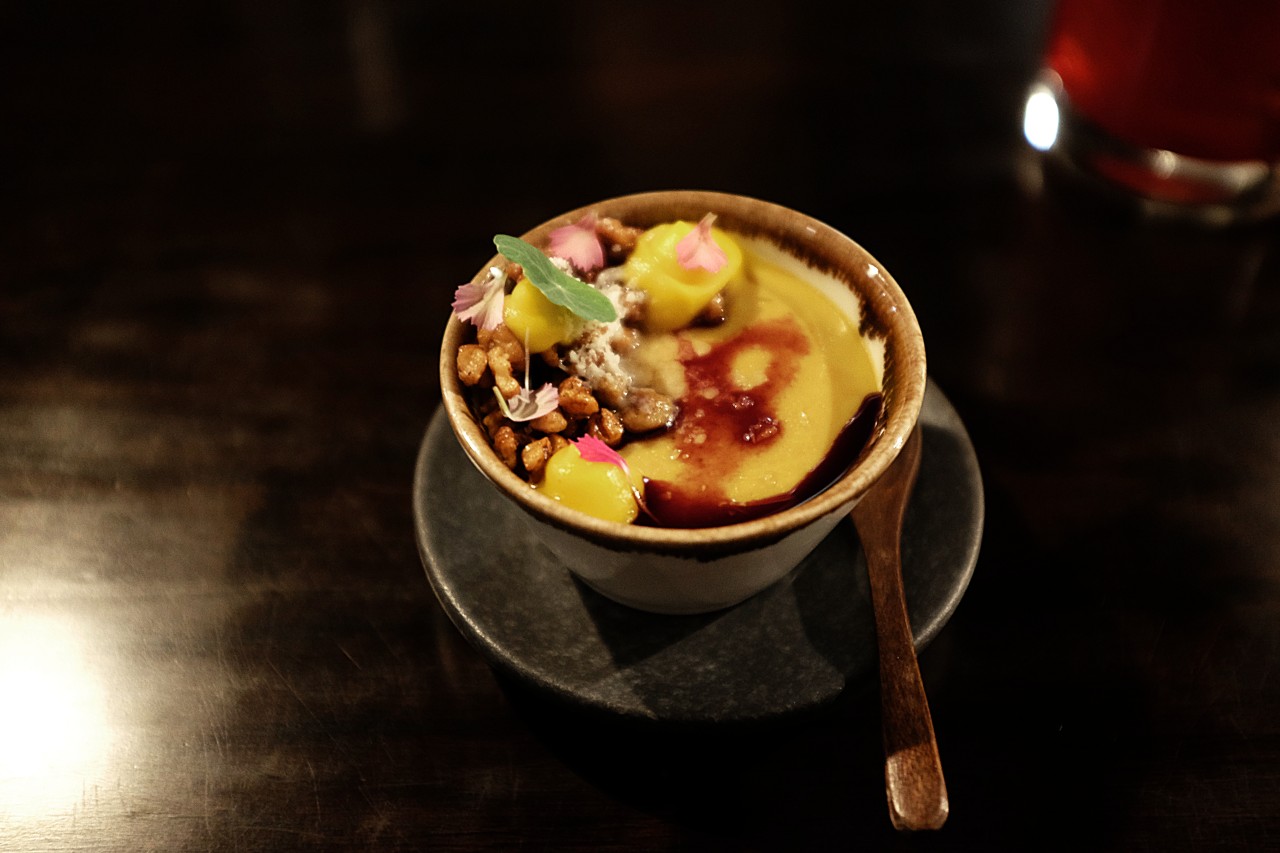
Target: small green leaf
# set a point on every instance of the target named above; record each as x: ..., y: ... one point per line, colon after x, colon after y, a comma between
x: 558, y: 286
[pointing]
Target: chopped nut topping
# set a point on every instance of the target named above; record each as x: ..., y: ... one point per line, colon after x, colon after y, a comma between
x: 505, y: 443
x: 715, y: 312
x: 500, y: 365
x: 645, y: 410
x: 506, y: 340
x: 576, y: 398
x: 619, y: 239
x: 473, y: 361
x: 595, y: 389
x: 551, y: 422
x: 606, y: 426
x: 492, y: 422
x: 535, y: 454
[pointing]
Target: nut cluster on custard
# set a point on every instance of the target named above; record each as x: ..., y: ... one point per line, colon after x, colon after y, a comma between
x: 547, y: 370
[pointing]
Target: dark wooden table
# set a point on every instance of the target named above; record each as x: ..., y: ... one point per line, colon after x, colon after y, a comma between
x: 229, y: 234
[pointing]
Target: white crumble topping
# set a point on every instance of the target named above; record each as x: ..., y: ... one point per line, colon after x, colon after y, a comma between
x: 594, y: 359
x: 593, y: 356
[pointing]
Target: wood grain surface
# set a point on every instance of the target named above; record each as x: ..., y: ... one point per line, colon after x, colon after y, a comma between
x: 229, y: 235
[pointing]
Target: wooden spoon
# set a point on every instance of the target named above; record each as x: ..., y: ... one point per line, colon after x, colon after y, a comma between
x: 913, y: 779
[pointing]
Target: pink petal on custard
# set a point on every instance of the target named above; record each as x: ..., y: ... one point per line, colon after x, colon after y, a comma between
x: 578, y: 244
x: 699, y: 248
x: 527, y: 405
x: 593, y: 449
x: 481, y: 303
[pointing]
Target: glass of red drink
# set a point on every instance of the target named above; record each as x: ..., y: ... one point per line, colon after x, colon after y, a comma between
x: 1177, y: 102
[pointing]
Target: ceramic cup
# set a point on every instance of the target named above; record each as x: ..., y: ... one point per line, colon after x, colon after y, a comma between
x: 665, y: 570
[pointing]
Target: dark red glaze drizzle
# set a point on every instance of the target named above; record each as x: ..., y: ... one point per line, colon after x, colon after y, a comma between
x: 714, y: 424
x: 714, y: 421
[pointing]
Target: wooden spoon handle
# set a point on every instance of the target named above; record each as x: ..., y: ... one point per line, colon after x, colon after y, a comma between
x: 916, y: 790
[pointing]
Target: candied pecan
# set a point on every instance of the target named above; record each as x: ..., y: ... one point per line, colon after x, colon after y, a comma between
x: 714, y: 312
x: 647, y: 409
x: 493, y: 422
x: 553, y: 421
x: 606, y: 426
x: 514, y: 271
x: 505, y: 443
x: 576, y: 398
x: 619, y: 239
x: 625, y: 339
x: 551, y: 358
x: 506, y: 340
x: 535, y: 454
x: 501, y: 366
x: 472, y: 363
x: 558, y: 443
x: 611, y: 389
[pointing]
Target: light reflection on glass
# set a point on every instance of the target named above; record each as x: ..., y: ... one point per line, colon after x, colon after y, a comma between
x: 54, y: 734
x: 1040, y: 118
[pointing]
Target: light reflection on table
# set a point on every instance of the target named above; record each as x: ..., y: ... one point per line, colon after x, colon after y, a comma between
x: 55, y: 733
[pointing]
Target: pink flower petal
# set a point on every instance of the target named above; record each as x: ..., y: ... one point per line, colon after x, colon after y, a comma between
x: 578, y: 244
x: 481, y: 303
x: 593, y: 449
x: 527, y: 405
x: 699, y: 248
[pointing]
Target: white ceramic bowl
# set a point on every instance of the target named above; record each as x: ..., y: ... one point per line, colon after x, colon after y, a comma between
x: 666, y: 570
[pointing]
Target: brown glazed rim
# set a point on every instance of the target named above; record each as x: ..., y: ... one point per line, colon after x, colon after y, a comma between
x: 886, y: 314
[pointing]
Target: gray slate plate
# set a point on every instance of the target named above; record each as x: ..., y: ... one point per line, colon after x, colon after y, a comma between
x: 792, y: 647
